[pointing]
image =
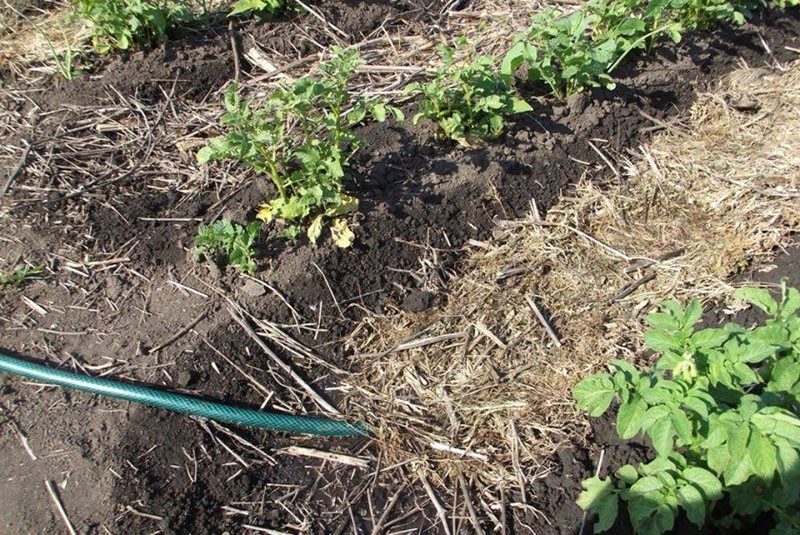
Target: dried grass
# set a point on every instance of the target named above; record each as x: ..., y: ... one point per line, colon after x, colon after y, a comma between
x: 24, y: 43
x: 698, y: 204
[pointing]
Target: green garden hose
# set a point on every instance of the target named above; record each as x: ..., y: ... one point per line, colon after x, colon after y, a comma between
x: 179, y: 402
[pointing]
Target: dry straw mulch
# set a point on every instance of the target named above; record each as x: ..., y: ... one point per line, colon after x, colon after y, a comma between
x: 480, y: 391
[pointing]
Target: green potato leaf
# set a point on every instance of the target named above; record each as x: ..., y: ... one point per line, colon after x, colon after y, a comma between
x: 705, y: 481
x: 595, y: 394
x: 758, y: 297
x: 763, y: 456
x: 599, y: 496
x: 693, y: 503
x: 662, y: 435
x: 630, y: 417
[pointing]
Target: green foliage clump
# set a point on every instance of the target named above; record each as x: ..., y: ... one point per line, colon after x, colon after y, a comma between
x: 694, y: 14
x: 260, y: 8
x: 558, y: 51
x: 229, y: 241
x: 302, y: 138
x: 631, y: 24
x: 573, y: 52
x: 721, y: 409
x: 123, y: 24
x: 467, y: 100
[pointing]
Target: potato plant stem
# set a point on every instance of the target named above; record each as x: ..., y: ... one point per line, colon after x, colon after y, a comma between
x: 276, y: 177
x: 635, y: 44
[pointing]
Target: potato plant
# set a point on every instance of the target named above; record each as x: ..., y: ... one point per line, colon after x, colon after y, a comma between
x: 706, y: 13
x: 572, y: 52
x: 721, y: 407
x: 302, y: 138
x: 632, y: 25
x: 467, y: 100
x: 259, y: 8
x: 559, y: 52
x: 121, y: 24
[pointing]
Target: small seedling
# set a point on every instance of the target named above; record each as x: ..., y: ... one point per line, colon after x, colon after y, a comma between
x: 19, y: 276
x: 231, y: 242
x: 467, y: 100
x: 302, y: 138
x: 721, y: 409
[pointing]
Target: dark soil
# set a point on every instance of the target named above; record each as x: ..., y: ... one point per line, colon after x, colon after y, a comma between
x: 115, y: 463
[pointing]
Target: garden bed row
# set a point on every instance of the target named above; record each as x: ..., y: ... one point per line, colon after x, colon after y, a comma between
x: 118, y: 281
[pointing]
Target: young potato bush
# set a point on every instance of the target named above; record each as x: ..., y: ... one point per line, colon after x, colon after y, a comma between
x: 559, y: 52
x: 721, y: 407
x: 694, y: 14
x: 467, y: 101
x: 122, y: 24
x: 301, y: 137
x: 573, y: 52
x: 631, y: 24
